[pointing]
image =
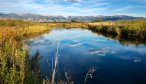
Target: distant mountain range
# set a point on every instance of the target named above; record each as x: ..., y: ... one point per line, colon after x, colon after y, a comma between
x: 41, y: 18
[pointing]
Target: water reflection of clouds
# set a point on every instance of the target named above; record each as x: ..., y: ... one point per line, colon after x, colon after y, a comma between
x: 87, y: 43
x: 137, y: 60
x: 141, y: 51
x: 131, y: 58
x: 79, y: 50
x: 98, y: 52
x: 131, y: 53
x: 73, y: 44
x: 113, y: 52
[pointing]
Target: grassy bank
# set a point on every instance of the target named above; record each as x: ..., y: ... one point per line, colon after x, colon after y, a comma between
x: 13, y: 54
x: 127, y: 29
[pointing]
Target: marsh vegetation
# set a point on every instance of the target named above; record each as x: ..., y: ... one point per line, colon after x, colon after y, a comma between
x: 126, y: 29
x: 13, y: 53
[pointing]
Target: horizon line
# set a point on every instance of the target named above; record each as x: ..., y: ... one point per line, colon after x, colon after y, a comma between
x: 71, y: 15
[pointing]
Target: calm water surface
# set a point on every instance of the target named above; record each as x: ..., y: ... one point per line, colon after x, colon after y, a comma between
x: 80, y: 50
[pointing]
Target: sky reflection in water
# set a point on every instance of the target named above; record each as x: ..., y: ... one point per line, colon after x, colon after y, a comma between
x: 81, y: 49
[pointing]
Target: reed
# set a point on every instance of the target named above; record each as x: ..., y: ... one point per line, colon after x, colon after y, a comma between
x: 55, y: 65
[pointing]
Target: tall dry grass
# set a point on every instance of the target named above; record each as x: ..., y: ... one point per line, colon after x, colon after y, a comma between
x: 12, y: 52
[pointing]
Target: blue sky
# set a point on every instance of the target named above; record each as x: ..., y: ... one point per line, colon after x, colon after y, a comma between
x: 75, y: 7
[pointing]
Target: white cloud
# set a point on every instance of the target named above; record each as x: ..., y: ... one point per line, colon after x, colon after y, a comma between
x: 67, y: 7
x: 49, y: 8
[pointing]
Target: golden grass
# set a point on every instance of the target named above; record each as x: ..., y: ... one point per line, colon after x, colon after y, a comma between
x: 12, y: 52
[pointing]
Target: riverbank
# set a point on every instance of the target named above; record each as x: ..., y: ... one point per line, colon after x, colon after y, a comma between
x: 126, y: 29
x: 13, y: 54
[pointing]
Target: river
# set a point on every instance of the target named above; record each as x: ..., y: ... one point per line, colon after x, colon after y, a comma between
x: 81, y: 50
